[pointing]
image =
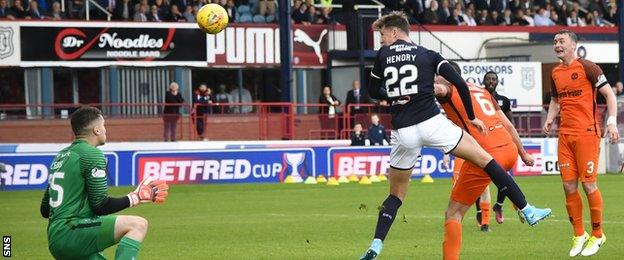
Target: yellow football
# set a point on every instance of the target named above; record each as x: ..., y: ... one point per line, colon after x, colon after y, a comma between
x: 212, y: 18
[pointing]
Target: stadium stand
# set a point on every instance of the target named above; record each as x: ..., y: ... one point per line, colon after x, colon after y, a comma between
x: 469, y: 13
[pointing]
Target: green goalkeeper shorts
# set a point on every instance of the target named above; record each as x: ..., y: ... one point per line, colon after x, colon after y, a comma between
x: 81, y: 238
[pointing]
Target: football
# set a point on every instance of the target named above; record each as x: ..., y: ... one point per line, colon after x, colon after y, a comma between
x: 212, y: 18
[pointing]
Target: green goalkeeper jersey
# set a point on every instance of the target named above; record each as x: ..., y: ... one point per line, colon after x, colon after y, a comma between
x: 77, y: 183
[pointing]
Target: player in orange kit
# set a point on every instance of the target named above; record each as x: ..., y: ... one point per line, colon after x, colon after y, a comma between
x: 574, y: 85
x: 502, y: 142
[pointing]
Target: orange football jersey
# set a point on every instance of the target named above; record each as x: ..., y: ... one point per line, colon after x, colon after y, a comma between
x: 485, y: 108
x: 575, y: 86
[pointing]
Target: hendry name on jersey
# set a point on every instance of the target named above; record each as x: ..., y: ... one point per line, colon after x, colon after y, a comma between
x: 400, y: 58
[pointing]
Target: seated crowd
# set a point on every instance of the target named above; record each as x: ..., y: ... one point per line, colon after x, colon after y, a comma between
x: 239, y: 11
x: 512, y: 12
x: 445, y: 12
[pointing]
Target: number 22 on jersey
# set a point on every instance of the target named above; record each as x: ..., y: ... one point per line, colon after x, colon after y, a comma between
x: 406, y: 86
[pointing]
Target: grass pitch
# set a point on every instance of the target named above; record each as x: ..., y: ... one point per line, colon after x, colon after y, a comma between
x: 278, y: 221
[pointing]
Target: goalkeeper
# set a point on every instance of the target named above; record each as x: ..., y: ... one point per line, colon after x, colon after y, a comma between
x: 76, y: 201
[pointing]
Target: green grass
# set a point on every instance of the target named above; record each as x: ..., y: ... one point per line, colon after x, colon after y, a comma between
x: 278, y: 221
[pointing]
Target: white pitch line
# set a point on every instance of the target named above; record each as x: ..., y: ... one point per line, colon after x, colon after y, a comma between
x: 549, y: 219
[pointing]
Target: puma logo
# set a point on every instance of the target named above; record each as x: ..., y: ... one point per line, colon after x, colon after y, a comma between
x: 303, y: 37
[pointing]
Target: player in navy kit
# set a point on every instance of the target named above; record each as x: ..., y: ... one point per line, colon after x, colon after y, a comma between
x: 403, y: 74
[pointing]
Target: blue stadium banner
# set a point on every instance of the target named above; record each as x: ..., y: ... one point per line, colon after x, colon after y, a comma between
x: 30, y: 171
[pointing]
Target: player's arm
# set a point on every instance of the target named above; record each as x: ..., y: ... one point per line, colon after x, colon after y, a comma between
x: 553, y: 108
x: 374, y: 85
x: 440, y: 90
x: 612, y: 131
x: 92, y: 167
x: 526, y: 157
x: 448, y: 72
x: 507, y: 110
x: 44, y: 209
x: 599, y: 81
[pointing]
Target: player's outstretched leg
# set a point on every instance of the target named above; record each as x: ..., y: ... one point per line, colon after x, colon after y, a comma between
x: 498, y: 207
x: 399, y: 182
x: 471, y: 151
x: 484, y: 204
x: 453, y: 230
x: 597, y: 239
x: 479, y: 216
x: 129, y: 233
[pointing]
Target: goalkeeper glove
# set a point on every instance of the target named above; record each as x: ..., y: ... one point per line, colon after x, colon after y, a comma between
x: 149, y: 191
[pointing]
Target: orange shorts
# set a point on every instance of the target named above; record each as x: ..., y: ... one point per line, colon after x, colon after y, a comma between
x: 471, y: 180
x: 578, y: 157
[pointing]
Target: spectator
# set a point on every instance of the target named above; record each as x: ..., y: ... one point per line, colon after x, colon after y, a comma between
x: 236, y: 94
x: 590, y: 20
x: 266, y: 7
x: 327, y: 98
x: 154, y: 15
x: 612, y: 14
x: 163, y: 9
x: 188, y: 14
x: 542, y: 18
x: 554, y: 17
x: 576, y: 7
x: 506, y: 18
x: 325, y: 16
x: 356, y: 96
x: 483, y: 18
x: 77, y: 9
x: 598, y: 19
x: 34, y: 12
x: 619, y: 88
x: 430, y: 15
x: 377, y: 132
x: 201, y: 103
x: 526, y: 5
x: 56, y: 13
x: 182, y: 4
x: 124, y: 11
x: 455, y: 18
x: 498, y: 5
x: 230, y: 8
x: 176, y: 16
x: 575, y: 20
x: 328, y: 111
x: 413, y: 8
x: 109, y: 5
x: 4, y: 9
x: 17, y: 10
x: 514, y: 6
x: 222, y: 97
x: 312, y: 14
x: 469, y: 17
x: 300, y: 16
x: 519, y: 19
x: 357, y: 137
x: 493, y: 18
x: 443, y: 12
x: 139, y: 14
x: 171, y: 113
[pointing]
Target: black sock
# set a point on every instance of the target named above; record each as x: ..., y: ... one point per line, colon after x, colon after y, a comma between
x: 500, y: 198
x: 386, y: 216
x: 505, y: 183
x: 478, y: 204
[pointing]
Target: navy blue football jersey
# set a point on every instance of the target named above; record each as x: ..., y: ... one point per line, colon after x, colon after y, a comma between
x: 407, y: 73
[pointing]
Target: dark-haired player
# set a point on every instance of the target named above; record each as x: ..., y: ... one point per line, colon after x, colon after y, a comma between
x: 76, y: 201
x: 502, y: 142
x: 490, y: 81
x: 403, y: 74
x: 575, y: 82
